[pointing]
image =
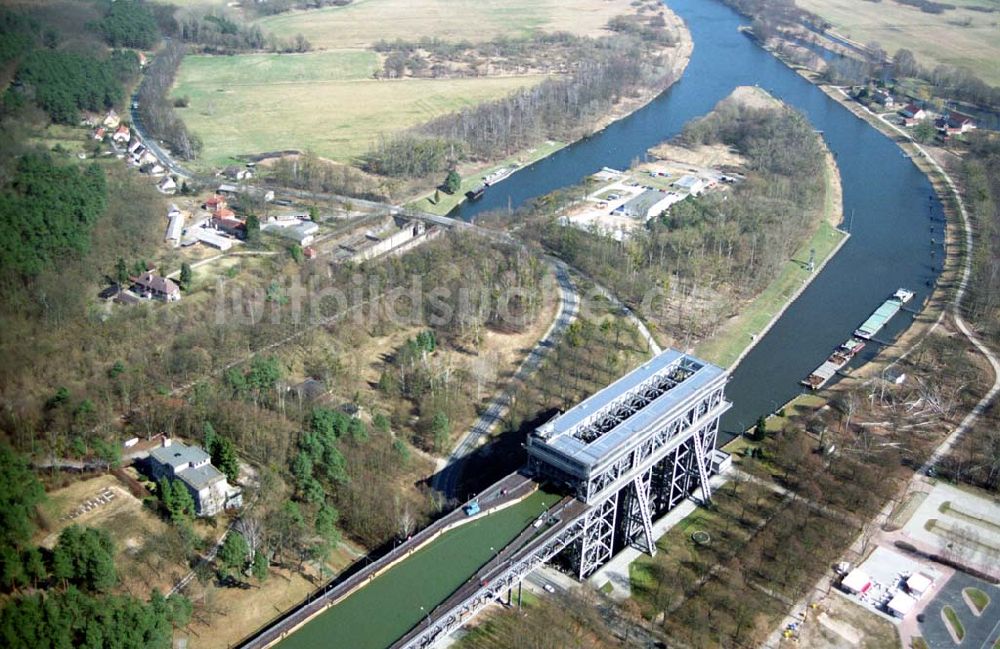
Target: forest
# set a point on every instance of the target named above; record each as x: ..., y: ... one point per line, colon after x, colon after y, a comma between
x: 155, y: 108
x: 978, y: 459
x: 47, y: 211
x: 63, y: 597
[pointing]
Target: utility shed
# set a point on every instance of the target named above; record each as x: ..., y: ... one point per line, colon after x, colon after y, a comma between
x: 918, y: 583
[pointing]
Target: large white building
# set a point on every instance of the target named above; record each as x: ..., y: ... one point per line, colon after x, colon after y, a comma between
x: 192, y: 466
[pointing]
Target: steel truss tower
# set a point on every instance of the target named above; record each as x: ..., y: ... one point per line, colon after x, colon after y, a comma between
x: 633, y: 451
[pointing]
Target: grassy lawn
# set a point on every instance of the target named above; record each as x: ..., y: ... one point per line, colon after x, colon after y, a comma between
x: 959, y: 37
x: 325, y: 102
x: 951, y: 619
x: 978, y: 598
x: 736, y: 335
x: 473, y: 177
x: 918, y: 643
x: 364, y: 22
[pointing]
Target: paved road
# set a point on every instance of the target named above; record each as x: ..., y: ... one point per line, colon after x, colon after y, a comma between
x: 446, y: 481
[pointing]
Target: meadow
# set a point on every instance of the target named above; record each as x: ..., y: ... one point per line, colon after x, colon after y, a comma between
x: 364, y: 22
x: 326, y: 102
x: 962, y: 37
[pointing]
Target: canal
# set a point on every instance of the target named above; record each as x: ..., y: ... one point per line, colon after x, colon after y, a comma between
x: 384, y: 610
x: 889, y: 205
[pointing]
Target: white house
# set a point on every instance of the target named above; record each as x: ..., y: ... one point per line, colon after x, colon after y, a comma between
x: 192, y: 466
x: 167, y: 185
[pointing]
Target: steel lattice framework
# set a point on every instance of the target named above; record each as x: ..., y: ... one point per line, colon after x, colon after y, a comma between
x: 628, y: 454
x: 633, y: 451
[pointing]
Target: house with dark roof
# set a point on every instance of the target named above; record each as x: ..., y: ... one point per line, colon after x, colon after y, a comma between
x: 192, y: 467
x: 229, y: 224
x: 955, y: 123
x: 151, y: 285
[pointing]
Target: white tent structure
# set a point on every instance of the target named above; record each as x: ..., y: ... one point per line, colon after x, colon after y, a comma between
x: 856, y: 582
x: 901, y: 604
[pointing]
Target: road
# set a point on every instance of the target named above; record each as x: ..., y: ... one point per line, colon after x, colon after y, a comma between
x: 447, y: 479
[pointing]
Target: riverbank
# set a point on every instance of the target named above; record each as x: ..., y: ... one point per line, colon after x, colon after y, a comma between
x: 472, y: 173
x: 737, y: 336
x: 943, y: 295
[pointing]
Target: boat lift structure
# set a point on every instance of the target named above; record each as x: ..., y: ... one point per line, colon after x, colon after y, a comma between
x: 627, y: 455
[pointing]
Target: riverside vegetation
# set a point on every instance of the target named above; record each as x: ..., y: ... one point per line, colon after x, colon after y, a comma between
x: 706, y: 255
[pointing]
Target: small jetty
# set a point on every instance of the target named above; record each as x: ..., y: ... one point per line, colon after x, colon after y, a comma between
x: 883, y: 314
x: 476, y: 192
x: 502, y: 173
x: 837, y: 360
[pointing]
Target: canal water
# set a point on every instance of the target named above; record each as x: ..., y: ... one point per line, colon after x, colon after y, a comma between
x: 384, y: 610
x: 889, y: 205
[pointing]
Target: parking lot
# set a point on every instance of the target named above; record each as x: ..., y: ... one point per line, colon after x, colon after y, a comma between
x: 981, y: 632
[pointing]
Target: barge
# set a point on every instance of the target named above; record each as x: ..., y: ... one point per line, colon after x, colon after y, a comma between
x: 846, y: 351
x: 883, y: 314
x: 476, y: 193
x: 837, y: 360
x: 502, y: 173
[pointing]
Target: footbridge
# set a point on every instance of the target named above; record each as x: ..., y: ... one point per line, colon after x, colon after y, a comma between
x: 626, y: 455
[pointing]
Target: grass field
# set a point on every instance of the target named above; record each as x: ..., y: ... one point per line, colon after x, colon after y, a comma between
x: 325, y: 102
x: 365, y: 21
x: 959, y: 37
x: 955, y: 624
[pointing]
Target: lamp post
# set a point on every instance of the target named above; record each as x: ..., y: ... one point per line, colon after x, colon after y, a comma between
x: 426, y: 614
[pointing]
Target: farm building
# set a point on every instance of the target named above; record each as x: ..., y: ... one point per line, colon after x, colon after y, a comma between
x: 956, y: 123
x: 176, y: 228
x: 210, y: 238
x: 302, y: 233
